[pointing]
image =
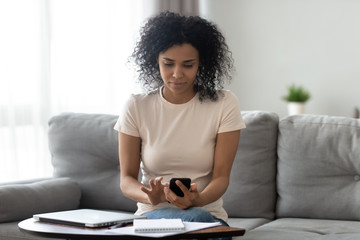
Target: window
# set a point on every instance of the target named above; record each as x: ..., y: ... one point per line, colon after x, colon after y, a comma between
x: 57, y: 56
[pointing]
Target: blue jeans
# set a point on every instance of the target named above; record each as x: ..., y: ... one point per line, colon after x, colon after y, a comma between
x: 194, y: 214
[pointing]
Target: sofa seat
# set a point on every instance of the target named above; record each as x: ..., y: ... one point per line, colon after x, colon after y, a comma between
x: 247, y: 223
x: 305, y: 229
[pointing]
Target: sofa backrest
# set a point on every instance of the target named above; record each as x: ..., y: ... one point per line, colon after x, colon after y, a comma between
x: 319, y: 167
x: 84, y: 147
x: 252, y: 189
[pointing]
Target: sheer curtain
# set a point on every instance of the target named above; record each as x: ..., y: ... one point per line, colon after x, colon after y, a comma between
x: 63, y: 56
x: 90, y: 43
x: 22, y: 131
x: 185, y: 7
x: 57, y: 56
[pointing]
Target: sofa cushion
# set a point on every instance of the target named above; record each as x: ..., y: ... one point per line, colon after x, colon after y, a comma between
x: 247, y: 223
x: 21, y: 201
x: 309, y: 229
x: 252, y: 188
x: 319, y: 167
x: 84, y: 147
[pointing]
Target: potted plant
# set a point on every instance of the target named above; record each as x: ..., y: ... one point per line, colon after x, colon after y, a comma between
x: 296, y: 98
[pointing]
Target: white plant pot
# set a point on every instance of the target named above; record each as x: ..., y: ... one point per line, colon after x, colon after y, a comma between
x: 296, y: 108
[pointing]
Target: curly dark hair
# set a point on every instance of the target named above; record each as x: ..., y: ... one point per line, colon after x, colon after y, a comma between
x: 168, y: 29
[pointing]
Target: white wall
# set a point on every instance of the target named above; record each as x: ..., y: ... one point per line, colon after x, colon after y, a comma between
x: 314, y: 43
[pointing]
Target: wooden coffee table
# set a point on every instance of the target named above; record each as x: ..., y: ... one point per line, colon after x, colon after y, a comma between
x: 51, y: 230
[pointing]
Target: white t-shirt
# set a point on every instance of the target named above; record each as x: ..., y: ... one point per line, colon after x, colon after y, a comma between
x: 178, y: 140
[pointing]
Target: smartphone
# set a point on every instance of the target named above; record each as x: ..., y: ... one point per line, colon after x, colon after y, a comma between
x: 175, y: 188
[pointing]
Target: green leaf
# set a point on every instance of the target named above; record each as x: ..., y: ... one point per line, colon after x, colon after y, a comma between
x: 296, y: 94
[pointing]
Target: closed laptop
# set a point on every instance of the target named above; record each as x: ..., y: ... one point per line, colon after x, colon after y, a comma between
x: 87, y: 217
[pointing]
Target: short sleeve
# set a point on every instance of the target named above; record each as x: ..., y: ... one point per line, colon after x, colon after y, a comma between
x: 128, y: 121
x: 231, y: 119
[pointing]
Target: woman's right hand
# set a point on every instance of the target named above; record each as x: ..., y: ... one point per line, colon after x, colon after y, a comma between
x: 155, y: 192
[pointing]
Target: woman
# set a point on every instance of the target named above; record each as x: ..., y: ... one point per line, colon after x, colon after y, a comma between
x: 183, y: 126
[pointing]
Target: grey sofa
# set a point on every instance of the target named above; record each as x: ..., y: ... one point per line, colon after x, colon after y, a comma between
x: 293, y: 179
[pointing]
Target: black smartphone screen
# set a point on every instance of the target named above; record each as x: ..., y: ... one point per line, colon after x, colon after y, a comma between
x: 175, y: 188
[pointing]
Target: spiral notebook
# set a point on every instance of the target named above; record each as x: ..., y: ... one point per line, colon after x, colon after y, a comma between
x: 158, y: 225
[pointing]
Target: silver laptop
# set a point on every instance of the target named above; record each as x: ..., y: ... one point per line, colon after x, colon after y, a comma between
x: 87, y: 218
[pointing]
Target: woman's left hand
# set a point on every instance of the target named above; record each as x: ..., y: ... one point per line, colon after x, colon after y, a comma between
x: 190, y: 195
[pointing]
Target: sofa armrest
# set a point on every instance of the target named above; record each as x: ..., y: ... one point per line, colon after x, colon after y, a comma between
x: 20, y: 200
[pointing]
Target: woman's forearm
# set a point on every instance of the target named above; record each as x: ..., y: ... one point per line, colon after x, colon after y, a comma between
x: 213, y: 191
x: 131, y: 188
x: 129, y: 152
x: 225, y: 151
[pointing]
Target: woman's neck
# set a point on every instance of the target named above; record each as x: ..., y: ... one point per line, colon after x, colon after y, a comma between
x: 177, y: 98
